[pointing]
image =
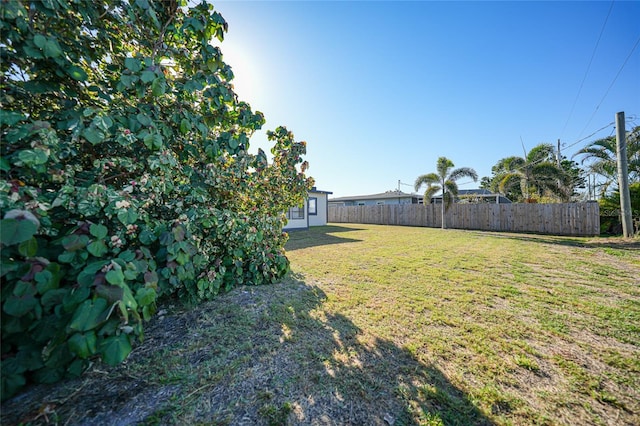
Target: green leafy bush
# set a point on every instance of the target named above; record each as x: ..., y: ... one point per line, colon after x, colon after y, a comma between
x: 610, y: 216
x: 125, y: 176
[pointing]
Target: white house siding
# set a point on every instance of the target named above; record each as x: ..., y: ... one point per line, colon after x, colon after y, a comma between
x: 297, y: 223
x: 320, y: 218
x: 317, y: 219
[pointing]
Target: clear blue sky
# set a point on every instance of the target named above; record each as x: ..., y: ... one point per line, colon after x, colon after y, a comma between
x: 380, y: 90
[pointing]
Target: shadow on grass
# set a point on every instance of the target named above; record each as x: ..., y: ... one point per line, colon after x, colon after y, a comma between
x: 318, y: 236
x: 617, y: 243
x: 268, y: 355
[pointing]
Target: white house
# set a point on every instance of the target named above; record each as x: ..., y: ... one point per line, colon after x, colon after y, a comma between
x: 314, y: 212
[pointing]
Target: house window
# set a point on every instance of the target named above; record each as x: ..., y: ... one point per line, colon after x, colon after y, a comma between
x: 313, y: 206
x: 296, y: 212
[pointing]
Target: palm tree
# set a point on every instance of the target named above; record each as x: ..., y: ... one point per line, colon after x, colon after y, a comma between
x: 536, y: 173
x: 445, y: 180
x: 604, y: 158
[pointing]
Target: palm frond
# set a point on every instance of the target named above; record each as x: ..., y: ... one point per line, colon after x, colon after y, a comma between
x: 443, y: 166
x: 541, y: 152
x: 430, y: 192
x: 451, y: 190
x: 463, y: 172
x: 509, y: 180
x: 426, y: 179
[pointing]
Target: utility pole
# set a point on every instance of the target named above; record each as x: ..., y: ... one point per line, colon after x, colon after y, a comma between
x: 558, y: 163
x: 623, y: 177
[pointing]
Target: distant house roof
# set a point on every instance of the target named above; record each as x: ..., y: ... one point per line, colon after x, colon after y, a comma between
x: 380, y: 196
x: 476, y: 193
x: 317, y: 191
x: 480, y: 191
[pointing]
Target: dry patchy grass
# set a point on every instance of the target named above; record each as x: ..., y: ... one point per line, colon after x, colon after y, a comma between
x: 386, y: 325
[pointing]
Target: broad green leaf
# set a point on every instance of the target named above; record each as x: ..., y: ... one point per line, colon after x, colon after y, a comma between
x: 133, y: 64
x: 143, y: 119
x: 147, y: 312
x: 98, y: 231
x: 48, y: 375
x: 75, y: 242
x: 128, y: 299
x: 102, y: 123
x: 83, y: 344
x: 11, y: 383
x: 179, y: 233
x: 39, y: 40
x: 112, y: 293
x: 76, y: 368
x: 115, y: 276
x: 45, y: 281
x: 88, y: 315
x: 127, y: 255
x: 19, y: 305
x: 77, y: 73
x: 67, y: 257
x: 153, y: 141
x: 12, y: 365
x: 129, y: 273
x: 128, y: 80
x: 88, y: 275
x: 115, y: 349
x: 182, y: 258
x: 150, y: 277
x: 97, y: 248
x: 185, y: 126
x: 33, y: 157
x: 53, y: 298
x: 30, y: 356
x: 145, y: 296
x: 74, y: 297
x: 14, y: 231
x: 93, y: 135
x: 32, y: 53
x: 158, y: 87
x: 88, y: 207
x: 233, y: 143
x: 127, y: 216
x: 148, y: 76
x: 10, y: 117
x: 24, y: 288
x: 28, y: 248
x: 17, y: 133
x: 51, y: 48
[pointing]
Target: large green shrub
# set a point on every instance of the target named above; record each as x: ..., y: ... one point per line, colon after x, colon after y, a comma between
x: 610, y: 216
x: 125, y: 175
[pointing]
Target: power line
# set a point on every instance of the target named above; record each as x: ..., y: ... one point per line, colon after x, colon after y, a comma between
x: 541, y: 160
x: 593, y: 54
x: 612, y: 83
x: 587, y: 137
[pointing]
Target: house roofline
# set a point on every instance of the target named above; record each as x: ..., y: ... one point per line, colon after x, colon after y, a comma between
x: 382, y: 195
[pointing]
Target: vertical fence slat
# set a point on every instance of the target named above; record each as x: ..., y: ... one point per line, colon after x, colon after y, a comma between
x: 579, y: 219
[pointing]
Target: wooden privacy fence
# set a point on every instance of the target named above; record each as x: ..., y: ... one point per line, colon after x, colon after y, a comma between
x: 578, y: 219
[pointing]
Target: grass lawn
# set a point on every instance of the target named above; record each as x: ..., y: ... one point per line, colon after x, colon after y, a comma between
x: 383, y: 325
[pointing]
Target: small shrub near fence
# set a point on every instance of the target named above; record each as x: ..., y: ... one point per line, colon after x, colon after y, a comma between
x: 577, y: 219
x: 611, y: 221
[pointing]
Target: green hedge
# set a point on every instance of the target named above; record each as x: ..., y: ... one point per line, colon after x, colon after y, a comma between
x: 125, y: 176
